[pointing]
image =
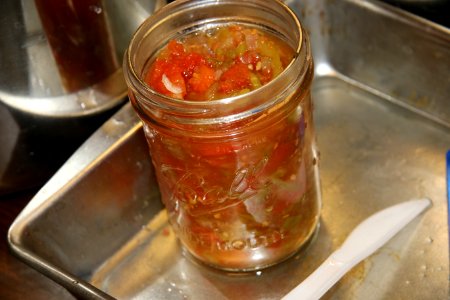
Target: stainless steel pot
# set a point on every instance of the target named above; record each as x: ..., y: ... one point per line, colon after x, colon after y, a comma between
x: 41, y: 120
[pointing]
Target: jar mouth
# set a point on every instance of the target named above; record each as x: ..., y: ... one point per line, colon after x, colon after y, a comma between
x: 177, y: 18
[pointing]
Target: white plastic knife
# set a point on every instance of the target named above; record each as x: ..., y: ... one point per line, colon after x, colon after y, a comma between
x: 364, y: 240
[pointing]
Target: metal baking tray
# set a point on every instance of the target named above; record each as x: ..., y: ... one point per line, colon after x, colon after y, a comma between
x: 382, y: 116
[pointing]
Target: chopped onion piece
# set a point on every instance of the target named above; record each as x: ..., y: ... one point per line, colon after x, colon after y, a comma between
x: 170, y: 86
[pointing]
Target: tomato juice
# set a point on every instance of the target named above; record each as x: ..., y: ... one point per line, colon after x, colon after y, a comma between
x: 80, y: 39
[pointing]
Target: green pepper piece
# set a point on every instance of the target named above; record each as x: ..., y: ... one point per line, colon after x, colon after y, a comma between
x: 256, y: 83
x: 267, y: 49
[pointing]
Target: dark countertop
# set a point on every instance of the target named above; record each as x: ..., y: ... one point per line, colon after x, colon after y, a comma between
x: 19, y: 281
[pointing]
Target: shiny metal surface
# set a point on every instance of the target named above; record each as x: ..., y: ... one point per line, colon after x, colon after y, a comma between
x: 33, y: 83
x: 41, y: 123
x: 383, y: 124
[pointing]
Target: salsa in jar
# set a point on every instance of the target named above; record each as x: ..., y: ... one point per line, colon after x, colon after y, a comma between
x: 233, y: 147
x: 218, y: 63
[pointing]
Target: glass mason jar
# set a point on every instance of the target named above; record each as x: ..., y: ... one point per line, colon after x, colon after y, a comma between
x: 238, y: 176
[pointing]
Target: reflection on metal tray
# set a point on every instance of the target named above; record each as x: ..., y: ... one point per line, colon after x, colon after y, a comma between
x: 383, y: 124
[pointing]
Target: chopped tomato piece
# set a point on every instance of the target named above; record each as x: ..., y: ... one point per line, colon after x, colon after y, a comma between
x: 167, y: 79
x: 202, y: 78
x: 153, y: 77
x: 236, y: 78
x: 190, y: 62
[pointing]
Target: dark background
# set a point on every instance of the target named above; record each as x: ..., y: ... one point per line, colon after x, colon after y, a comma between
x: 435, y: 10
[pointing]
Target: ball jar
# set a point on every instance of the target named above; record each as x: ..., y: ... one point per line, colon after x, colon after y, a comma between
x: 238, y: 176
